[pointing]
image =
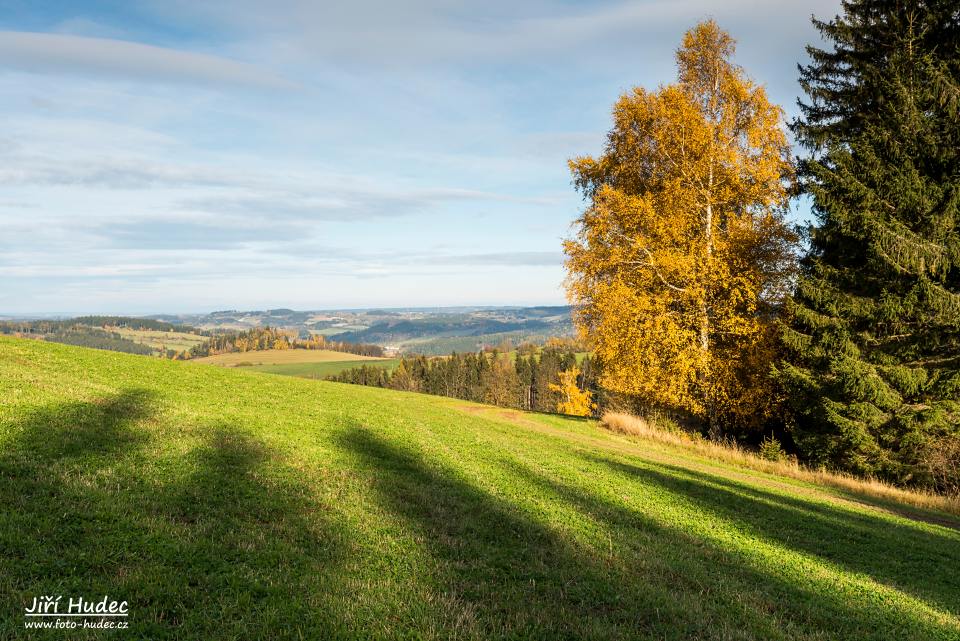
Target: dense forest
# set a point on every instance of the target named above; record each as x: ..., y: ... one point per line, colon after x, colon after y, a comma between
x: 528, y: 379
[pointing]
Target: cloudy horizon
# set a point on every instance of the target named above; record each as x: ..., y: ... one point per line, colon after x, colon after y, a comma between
x: 174, y: 157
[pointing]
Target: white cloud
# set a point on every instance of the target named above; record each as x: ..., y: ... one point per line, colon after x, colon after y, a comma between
x: 389, y: 32
x: 60, y: 53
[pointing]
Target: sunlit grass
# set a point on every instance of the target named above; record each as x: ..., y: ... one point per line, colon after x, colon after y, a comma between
x: 227, y: 504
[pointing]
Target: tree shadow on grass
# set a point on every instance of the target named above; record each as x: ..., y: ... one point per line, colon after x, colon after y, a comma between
x: 767, y: 604
x: 66, y: 432
x: 912, y: 559
x: 519, y: 578
x: 507, y: 576
x: 52, y: 471
x: 215, y: 541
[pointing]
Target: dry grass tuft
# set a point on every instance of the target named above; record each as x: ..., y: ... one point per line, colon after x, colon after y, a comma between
x: 732, y: 453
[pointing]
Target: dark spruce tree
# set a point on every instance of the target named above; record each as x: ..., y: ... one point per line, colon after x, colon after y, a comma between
x: 872, y: 371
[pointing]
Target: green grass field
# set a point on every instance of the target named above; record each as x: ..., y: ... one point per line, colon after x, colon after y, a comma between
x: 323, y: 369
x: 224, y: 504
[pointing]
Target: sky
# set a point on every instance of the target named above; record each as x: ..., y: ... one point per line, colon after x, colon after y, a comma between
x: 190, y: 155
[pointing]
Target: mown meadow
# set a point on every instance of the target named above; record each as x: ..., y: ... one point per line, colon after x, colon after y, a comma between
x: 323, y: 369
x: 225, y: 504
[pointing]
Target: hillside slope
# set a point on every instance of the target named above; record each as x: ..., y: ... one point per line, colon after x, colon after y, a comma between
x: 230, y: 504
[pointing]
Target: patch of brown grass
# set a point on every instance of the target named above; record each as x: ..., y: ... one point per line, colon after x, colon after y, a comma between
x: 732, y: 453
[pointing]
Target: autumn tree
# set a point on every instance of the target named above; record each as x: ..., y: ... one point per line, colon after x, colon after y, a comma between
x: 573, y: 400
x: 873, y: 361
x: 682, y: 257
x: 403, y: 379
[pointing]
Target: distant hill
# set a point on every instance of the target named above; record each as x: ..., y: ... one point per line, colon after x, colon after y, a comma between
x: 400, y: 331
x: 436, y: 330
x: 429, y: 331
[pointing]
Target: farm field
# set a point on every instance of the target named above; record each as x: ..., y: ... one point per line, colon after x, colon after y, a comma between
x: 322, y: 369
x: 225, y: 504
x: 281, y: 357
x: 156, y: 339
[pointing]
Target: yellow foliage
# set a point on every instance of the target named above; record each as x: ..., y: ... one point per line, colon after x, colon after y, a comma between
x: 575, y: 401
x: 682, y: 255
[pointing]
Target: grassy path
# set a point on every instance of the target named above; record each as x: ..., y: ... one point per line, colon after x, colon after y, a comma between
x: 224, y: 504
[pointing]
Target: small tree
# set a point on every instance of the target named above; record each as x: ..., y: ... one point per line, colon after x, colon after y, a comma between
x: 574, y: 401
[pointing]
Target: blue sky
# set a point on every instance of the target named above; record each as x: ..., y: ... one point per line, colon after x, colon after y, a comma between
x: 182, y: 155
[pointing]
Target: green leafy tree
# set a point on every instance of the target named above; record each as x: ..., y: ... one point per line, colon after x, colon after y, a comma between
x: 873, y: 338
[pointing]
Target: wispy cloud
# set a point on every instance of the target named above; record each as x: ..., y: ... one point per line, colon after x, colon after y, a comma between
x: 379, y: 31
x: 113, y: 171
x: 504, y: 259
x: 60, y: 53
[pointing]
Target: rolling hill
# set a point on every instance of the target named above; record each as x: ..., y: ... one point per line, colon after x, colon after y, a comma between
x: 223, y: 504
x: 429, y: 331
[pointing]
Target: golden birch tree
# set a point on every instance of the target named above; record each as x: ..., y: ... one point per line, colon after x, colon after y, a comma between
x: 573, y: 400
x: 682, y: 256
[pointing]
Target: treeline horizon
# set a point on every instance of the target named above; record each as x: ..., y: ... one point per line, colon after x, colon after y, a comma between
x: 43, y: 326
x: 527, y: 379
